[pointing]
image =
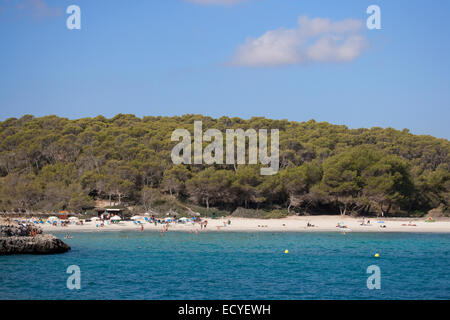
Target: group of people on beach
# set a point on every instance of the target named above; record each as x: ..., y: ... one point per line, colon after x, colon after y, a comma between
x: 364, y: 223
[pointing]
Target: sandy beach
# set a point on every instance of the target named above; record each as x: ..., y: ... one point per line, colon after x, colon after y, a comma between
x: 290, y: 224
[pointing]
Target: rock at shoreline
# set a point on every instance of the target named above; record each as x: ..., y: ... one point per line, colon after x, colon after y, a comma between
x: 17, y: 230
x: 19, y: 239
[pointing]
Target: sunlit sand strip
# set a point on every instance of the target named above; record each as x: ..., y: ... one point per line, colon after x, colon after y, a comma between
x: 291, y: 224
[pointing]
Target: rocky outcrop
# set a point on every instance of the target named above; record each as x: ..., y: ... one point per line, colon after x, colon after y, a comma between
x: 20, y: 239
x: 17, y: 230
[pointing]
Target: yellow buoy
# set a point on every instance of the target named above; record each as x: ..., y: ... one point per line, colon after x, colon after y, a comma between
x: 377, y: 255
x: 286, y: 251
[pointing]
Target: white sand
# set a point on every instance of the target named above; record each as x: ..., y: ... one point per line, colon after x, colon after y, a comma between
x: 290, y: 224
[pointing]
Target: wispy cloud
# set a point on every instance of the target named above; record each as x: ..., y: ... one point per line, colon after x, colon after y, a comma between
x: 313, y: 40
x: 34, y: 8
x: 216, y: 2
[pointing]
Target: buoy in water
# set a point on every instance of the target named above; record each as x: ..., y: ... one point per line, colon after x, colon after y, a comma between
x: 377, y: 255
x: 286, y: 251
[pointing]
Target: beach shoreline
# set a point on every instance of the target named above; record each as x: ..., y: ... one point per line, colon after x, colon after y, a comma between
x: 289, y: 224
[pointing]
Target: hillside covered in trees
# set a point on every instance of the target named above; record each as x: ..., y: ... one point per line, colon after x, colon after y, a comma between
x: 50, y: 163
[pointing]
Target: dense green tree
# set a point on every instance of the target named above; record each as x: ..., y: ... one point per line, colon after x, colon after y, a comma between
x: 211, y: 187
x: 388, y: 183
x: 297, y: 183
x: 174, y: 180
x: 52, y: 163
x: 343, y: 177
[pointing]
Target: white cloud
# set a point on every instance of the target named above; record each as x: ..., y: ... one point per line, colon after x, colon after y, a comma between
x: 314, y: 40
x: 215, y: 2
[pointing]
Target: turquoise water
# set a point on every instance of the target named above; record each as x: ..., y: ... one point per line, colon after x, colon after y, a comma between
x: 135, y: 265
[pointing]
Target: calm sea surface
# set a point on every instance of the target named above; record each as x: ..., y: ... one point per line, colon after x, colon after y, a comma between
x: 135, y: 265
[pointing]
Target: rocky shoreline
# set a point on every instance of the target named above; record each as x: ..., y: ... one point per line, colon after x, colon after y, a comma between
x: 27, y: 239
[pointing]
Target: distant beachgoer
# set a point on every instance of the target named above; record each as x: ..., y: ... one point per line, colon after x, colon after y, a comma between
x: 142, y: 227
x: 229, y: 222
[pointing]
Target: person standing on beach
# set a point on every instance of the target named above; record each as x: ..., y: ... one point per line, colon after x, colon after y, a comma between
x: 142, y: 228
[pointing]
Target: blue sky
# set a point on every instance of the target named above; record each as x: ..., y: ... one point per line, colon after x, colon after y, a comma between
x: 174, y: 57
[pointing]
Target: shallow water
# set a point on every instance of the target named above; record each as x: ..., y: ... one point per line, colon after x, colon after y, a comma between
x: 214, y: 265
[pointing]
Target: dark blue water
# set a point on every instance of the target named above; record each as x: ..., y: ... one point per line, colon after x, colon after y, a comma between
x: 235, y: 266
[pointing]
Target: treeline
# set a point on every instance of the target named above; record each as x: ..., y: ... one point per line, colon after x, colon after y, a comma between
x: 50, y: 163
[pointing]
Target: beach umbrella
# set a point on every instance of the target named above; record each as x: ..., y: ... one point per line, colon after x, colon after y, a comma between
x: 116, y: 218
x: 73, y: 218
x: 95, y: 219
x: 146, y: 214
x: 168, y: 219
x: 136, y: 218
x: 52, y: 218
